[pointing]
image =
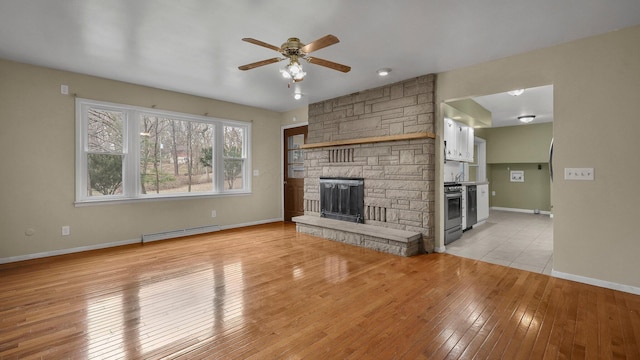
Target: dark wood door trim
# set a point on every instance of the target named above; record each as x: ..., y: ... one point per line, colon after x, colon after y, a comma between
x: 293, y: 188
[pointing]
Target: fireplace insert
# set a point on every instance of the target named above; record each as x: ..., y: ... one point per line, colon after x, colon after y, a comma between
x: 342, y: 199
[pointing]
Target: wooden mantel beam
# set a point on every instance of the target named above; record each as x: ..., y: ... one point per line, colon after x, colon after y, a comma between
x: 376, y: 139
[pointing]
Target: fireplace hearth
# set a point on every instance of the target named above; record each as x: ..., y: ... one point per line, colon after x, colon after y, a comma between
x: 342, y: 199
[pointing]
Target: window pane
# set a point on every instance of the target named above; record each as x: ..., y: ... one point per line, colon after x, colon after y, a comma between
x: 233, y: 154
x: 175, y: 156
x: 296, y: 172
x: 296, y: 156
x: 104, y: 174
x: 233, y: 171
x: 104, y: 131
x: 233, y: 142
x: 295, y: 141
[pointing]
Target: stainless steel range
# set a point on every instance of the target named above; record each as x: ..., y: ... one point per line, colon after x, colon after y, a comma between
x: 452, y: 212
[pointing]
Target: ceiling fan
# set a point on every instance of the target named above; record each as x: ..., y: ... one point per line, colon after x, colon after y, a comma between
x: 294, y: 50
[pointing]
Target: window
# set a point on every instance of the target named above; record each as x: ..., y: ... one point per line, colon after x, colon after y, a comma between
x: 125, y: 152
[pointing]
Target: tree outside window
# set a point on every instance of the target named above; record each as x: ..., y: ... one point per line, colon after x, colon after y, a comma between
x: 127, y: 152
x: 233, y: 157
x: 105, y: 151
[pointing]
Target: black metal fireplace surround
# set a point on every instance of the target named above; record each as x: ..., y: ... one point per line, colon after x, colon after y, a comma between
x: 342, y: 199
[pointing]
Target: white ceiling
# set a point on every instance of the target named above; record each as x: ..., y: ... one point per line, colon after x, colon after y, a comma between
x: 506, y: 108
x: 195, y: 47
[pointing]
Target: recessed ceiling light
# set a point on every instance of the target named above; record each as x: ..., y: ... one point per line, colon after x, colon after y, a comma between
x: 517, y: 92
x: 297, y: 96
x: 526, y: 118
x: 383, y: 72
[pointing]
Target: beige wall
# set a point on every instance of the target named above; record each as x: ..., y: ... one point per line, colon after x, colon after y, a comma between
x: 596, y: 124
x: 37, y: 143
x: 518, y: 144
x: 299, y: 116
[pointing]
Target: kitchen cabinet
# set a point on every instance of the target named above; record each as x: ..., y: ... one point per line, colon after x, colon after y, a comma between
x: 451, y: 139
x: 459, y: 141
x: 464, y: 207
x: 483, y: 202
x: 470, y: 134
x: 464, y: 143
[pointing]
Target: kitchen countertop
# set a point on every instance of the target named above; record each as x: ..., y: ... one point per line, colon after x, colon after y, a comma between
x: 466, y: 183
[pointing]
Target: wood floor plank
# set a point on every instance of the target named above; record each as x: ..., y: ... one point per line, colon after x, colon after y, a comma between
x: 269, y: 292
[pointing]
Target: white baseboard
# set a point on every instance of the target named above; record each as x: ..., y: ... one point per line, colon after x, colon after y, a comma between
x: 67, y: 251
x: 179, y: 233
x: 112, y: 244
x: 440, y: 249
x: 252, y: 223
x: 528, y: 211
x: 596, y: 282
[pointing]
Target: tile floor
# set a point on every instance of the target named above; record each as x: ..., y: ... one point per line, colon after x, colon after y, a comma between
x: 519, y: 240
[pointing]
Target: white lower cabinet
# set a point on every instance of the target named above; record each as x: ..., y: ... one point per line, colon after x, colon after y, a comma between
x: 464, y: 207
x: 483, y: 201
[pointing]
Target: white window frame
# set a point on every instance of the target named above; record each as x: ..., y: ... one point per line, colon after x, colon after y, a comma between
x: 131, y: 153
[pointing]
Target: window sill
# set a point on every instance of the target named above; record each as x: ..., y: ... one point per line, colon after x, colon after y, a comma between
x: 112, y: 201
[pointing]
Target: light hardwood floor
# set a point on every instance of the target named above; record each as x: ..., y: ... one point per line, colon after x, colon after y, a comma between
x: 268, y: 292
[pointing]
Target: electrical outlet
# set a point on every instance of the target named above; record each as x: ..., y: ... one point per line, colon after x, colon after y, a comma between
x: 579, y: 174
x: 66, y: 230
x: 213, y: 213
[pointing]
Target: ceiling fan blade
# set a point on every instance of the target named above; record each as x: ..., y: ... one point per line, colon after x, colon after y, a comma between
x: 323, y: 42
x: 262, y: 43
x: 259, y: 63
x: 329, y: 64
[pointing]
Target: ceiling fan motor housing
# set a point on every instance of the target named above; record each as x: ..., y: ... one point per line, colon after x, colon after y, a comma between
x: 292, y: 48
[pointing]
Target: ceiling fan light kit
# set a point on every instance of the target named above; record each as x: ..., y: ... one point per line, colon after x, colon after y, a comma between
x: 293, y: 70
x: 294, y: 50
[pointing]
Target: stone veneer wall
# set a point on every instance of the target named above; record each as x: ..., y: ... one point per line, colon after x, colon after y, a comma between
x: 399, y: 175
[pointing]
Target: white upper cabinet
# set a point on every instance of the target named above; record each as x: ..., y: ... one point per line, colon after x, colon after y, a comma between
x: 450, y: 138
x: 469, y: 147
x: 459, y: 141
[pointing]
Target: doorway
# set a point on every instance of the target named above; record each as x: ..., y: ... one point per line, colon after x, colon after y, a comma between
x: 293, y: 175
x: 519, y: 229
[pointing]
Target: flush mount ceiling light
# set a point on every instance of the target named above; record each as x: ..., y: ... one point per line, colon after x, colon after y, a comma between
x: 517, y: 92
x: 526, y: 118
x: 297, y: 96
x: 383, y: 72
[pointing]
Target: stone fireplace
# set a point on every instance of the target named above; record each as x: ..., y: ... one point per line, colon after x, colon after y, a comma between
x: 385, y: 137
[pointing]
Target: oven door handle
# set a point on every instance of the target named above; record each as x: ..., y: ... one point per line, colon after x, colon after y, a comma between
x: 453, y: 195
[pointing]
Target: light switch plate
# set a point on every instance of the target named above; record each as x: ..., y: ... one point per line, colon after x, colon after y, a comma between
x: 579, y: 174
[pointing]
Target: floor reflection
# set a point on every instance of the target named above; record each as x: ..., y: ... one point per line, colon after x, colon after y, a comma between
x: 336, y: 269
x: 105, y: 328
x: 167, y: 312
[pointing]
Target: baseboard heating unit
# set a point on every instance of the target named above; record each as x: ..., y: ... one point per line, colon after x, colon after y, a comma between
x: 178, y: 233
